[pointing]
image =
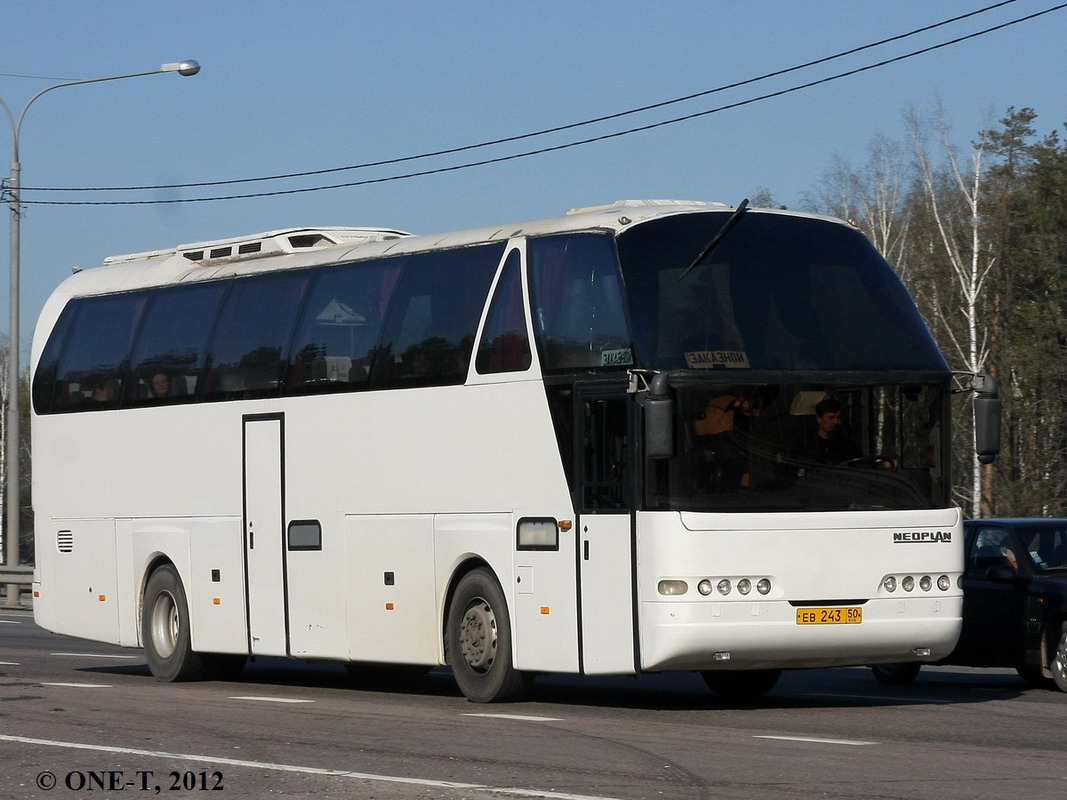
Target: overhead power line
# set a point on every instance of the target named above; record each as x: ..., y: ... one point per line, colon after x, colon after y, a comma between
x: 566, y: 145
x: 533, y: 134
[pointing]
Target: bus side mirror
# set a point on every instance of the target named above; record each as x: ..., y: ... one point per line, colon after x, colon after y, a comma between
x: 987, y: 405
x: 658, y: 408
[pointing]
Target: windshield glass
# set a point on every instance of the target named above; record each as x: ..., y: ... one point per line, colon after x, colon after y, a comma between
x: 804, y: 447
x: 778, y: 292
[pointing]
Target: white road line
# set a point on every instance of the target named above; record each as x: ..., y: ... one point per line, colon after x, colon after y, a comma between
x: 814, y: 740
x: 80, y: 685
x: 9, y: 663
x: 336, y: 773
x: 96, y: 655
x: 272, y: 699
x: 9, y: 622
x: 521, y: 717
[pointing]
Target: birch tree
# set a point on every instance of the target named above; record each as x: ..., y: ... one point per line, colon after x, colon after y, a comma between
x: 951, y: 194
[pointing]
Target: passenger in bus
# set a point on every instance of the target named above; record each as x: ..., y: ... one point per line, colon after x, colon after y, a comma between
x: 159, y: 385
x: 720, y: 439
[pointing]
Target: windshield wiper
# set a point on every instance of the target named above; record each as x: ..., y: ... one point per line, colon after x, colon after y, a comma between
x: 718, y: 238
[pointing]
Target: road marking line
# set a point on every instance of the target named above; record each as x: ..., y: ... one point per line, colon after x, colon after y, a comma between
x: 272, y: 699
x: 9, y: 622
x: 522, y: 717
x: 336, y: 773
x: 95, y: 655
x: 814, y: 740
x: 80, y: 685
x: 9, y: 663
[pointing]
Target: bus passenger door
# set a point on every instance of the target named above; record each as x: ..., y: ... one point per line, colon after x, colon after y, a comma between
x: 605, y: 553
x: 263, y: 527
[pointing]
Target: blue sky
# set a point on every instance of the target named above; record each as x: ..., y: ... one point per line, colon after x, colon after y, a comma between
x: 288, y: 87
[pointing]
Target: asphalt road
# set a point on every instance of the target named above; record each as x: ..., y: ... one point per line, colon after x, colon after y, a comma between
x: 85, y: 720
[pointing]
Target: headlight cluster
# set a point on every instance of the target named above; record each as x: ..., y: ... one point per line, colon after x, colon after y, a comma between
x: 724, y: 586
x: 909, y: 583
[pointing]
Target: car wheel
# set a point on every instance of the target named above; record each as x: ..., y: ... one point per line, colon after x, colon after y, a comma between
x: 1058, y: 662
x: 896, y: 674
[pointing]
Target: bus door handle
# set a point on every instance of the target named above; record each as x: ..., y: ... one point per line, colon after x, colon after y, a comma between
x: 585, y: 550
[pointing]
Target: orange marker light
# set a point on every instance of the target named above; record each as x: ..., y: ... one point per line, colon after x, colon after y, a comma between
x: 545, y: 610
x: 216, y: 601
x: 388, y: 606
x: 101, y: 597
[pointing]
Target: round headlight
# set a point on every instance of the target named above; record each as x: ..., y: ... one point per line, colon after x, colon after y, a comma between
x: 744, y: 586
x: 724, y: 586
x: 926, y: 583
x: 943, y: 583
x: 890, y: 583
x: 763, y: 586
x: 704, y: 587
x: 908, y: 583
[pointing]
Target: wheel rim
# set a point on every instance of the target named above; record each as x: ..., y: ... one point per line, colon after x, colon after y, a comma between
x: 478, y: 636
x: 165, y: 624
x: 1059, y: 661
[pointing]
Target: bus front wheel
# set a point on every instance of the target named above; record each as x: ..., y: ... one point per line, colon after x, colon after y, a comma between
x: 165, y: 628
x: 479, y: 641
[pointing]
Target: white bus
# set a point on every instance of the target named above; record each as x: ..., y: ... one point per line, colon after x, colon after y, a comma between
x: 577, y: 445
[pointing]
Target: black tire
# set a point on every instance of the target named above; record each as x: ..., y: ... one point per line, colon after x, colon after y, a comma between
x: 479, y: 641
x: 741, y: 685
x: 896, y: 674
x: 165, y: 629
x: 1057, y: 662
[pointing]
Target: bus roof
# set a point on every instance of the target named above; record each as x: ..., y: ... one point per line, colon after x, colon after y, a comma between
x: 300, y: 247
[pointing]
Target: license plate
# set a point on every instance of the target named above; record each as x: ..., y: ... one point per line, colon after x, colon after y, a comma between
x: 829, y: 616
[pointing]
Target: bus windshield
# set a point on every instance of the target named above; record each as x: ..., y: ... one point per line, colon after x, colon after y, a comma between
x: 777, y: 292
x: 804, y: 447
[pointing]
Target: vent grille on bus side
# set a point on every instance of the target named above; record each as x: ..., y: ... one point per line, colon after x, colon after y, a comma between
x: 65, y: 541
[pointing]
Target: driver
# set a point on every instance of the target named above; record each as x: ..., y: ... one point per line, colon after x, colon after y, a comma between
x: 827, y: 443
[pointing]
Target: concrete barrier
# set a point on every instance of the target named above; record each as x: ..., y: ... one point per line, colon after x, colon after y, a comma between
x: 13, y: 578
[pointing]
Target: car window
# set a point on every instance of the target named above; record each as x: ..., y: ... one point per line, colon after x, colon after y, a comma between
x: 993, y: 547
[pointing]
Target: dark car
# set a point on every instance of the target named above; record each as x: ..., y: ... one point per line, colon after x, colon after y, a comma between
x: 1014, y: 602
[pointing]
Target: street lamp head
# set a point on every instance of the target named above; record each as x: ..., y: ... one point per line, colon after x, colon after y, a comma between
x: 189, y: 67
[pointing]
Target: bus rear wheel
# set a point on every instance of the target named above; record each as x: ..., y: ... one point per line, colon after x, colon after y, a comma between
x: 479, y: 641
x: 165, y: 629
x: 741, y: 684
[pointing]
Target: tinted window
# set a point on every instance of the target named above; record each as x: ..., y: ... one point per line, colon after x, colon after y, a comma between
x: 342, y: 323
x: 433, y: 317
x: 250, y: 345
x: 577, y: 299
x: 84, y: 362
x: 505, y: 344
x: 777, y: 292
x: 169, y: 356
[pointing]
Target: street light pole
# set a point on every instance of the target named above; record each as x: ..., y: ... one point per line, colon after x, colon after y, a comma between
x: 14, y: 199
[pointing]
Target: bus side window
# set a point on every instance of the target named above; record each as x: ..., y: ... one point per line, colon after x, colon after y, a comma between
x: 433, y: 317
x: 505, y: 344
x: 85, y: 358
x: 579, y: 312
x: 250, y: 345
x: 172, y: 341
x: 338, y: 334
